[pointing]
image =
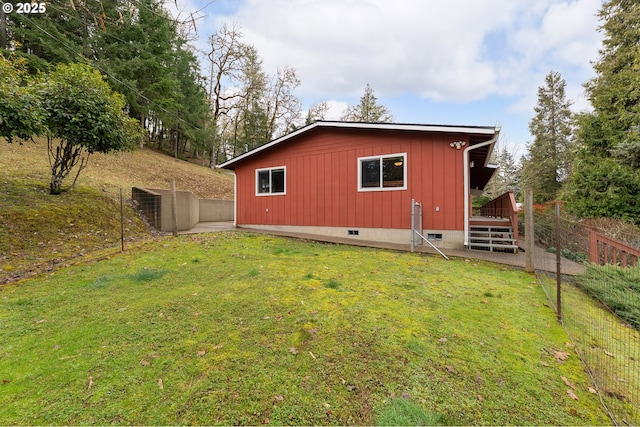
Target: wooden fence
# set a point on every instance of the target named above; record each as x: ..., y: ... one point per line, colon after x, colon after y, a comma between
x: 605, y: 250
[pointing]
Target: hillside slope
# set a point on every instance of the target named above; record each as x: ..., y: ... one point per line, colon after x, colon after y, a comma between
x: 39, y: 231
x: 109, y: 172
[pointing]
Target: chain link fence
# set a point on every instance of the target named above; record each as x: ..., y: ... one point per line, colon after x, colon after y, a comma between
x: 597, y: 299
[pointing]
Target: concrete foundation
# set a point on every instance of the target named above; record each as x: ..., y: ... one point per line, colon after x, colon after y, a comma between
x: 450, y: 239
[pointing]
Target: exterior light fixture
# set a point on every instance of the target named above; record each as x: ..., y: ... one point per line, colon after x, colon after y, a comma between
x: 458, y: 144
x: 398, y: 163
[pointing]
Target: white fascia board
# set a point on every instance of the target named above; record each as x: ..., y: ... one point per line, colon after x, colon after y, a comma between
x: 482, y: 130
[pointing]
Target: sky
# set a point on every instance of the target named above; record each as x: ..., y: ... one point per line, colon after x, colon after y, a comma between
x: 453, y: 62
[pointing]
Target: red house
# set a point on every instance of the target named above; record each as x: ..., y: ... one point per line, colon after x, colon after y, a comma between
x: 366, y: 181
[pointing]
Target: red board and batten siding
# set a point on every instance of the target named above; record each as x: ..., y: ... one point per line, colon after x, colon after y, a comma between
x: 322, y: 181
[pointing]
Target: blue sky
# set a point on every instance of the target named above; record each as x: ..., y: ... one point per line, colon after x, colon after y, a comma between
x: 461, y: 62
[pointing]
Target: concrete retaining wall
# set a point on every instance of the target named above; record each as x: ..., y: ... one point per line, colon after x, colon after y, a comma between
x: 216, y: 210
x: 155, y: 203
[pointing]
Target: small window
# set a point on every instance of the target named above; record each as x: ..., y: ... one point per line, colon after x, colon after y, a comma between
x: 382, y: 172
x: 270, y: 181
x: 434, y: 236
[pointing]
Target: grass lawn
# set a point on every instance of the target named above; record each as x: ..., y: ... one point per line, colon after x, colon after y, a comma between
x: 236, y: 328
x: 39, y: 231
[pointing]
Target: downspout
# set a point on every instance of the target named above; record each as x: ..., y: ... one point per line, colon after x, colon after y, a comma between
x: 467, y: 184
x: 235, y: 199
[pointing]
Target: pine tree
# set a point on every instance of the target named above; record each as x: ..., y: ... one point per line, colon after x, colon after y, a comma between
x: 506, y: 178
x: 546, y: 164
x: 615, y: 91
x: 610, y: 135
x: 368, y: 110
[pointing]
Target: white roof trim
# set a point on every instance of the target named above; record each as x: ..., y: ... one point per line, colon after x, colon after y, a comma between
x: 483, y: 130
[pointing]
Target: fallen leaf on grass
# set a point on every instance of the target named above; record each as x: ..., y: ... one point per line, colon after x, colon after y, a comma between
x: 160, y: 385
x: 568, y: 383
x: 561, y: 355
x: 450, y: 369
x: 144, y: 363
x: 572, y: 395
x: 443, y: 339
x: 480, y: 398
x: 608, y: 353
x: 279, y: 398
x: 217, y: 347
x: 90, y: 383
x: 293, y: 350
x: 201, y: 353
x: 592, y: 390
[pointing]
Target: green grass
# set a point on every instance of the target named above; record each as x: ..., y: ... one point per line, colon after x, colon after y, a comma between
x: 610, y: 345
x: 251, y: 334
x: 617, y: 287
x: 40, y: 232
x: 404, y: 412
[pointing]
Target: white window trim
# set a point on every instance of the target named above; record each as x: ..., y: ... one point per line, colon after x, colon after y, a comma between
x: 380, y: 157
x: 258, y: 193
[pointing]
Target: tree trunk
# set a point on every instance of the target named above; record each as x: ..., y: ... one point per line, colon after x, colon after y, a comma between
x: 62, y: 159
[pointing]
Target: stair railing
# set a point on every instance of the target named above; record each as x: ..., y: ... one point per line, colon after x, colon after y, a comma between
x: 503, y: 206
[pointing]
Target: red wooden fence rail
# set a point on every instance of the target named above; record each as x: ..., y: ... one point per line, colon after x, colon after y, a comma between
x: 503, y: 206
x: 605, y: 250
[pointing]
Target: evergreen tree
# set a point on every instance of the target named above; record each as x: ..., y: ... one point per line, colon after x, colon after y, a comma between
x: 546, y: 164
x: 506, y: 178
x: 368, y: 110
x: 59, y: 35
x: 610, y: 135
x: 615, y: 91
x: 250, y: 124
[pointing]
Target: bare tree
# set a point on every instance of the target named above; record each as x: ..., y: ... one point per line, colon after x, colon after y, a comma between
x: 282, y: 106
x: 227, y: 58
x: 317, y: 112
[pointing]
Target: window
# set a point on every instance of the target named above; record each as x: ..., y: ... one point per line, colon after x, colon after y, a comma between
x: 270, y: 181
x: 382, y: 172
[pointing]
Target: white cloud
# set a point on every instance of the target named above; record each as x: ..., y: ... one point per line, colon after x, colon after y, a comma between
x: 433, y: 48
x: 454, y: 51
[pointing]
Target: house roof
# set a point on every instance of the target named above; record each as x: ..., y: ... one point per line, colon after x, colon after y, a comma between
x: 477, y: 134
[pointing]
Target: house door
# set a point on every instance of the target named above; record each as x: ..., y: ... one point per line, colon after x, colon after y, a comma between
x: 416, y: 224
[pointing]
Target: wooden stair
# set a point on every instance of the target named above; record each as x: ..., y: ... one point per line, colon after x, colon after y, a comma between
x: 492, y: 235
